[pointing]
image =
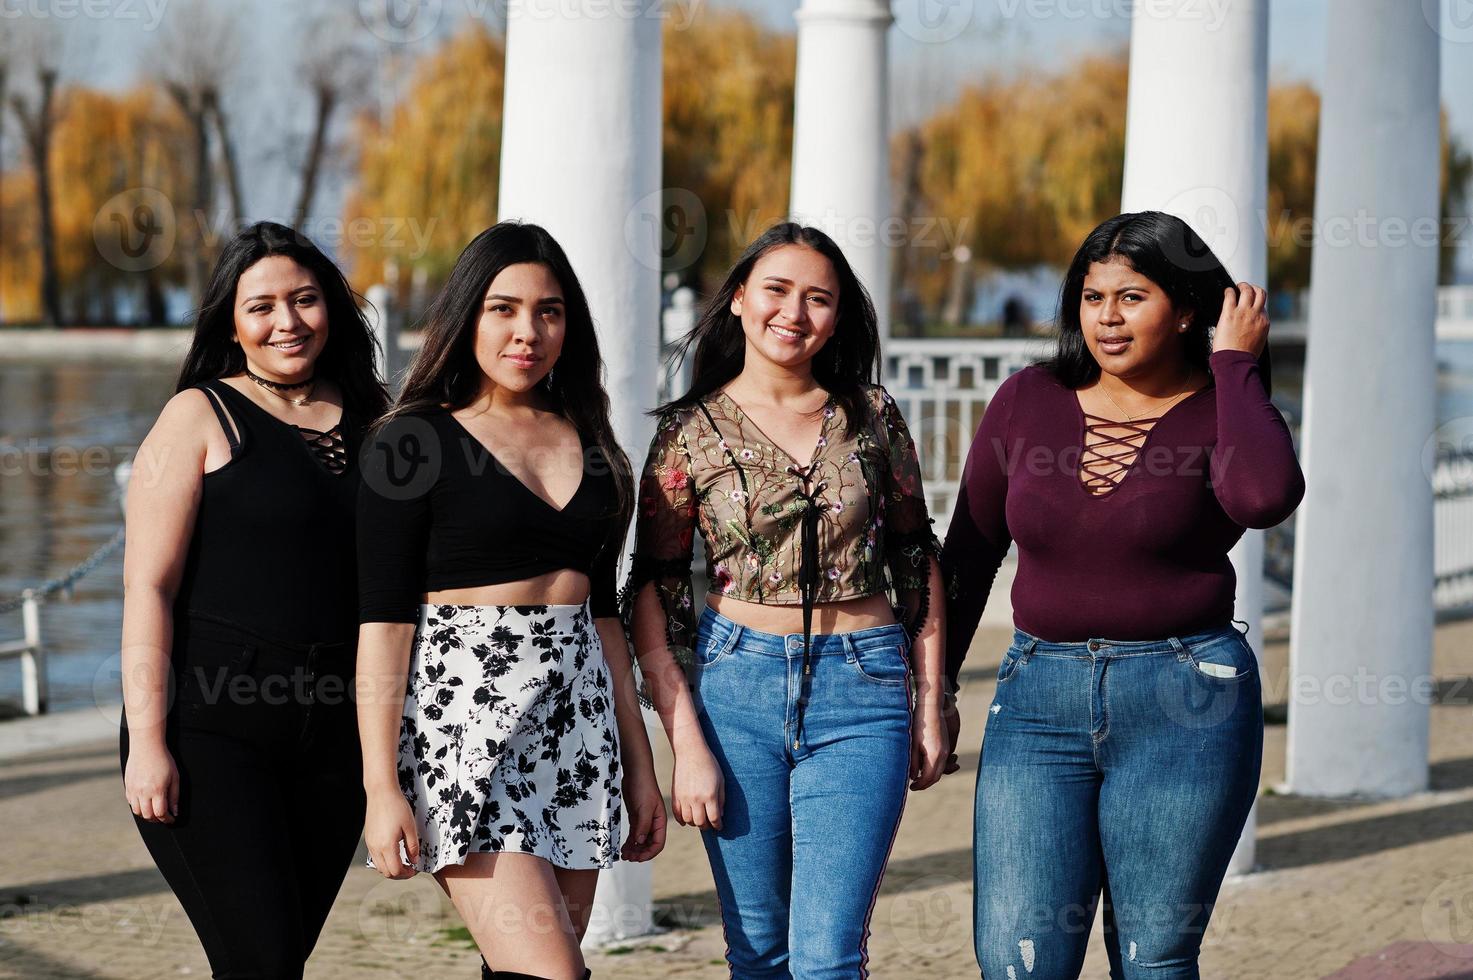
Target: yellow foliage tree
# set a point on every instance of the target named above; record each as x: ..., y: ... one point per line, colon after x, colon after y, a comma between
x: 1293, y: 139
x: 1022, y: 168
x: 145, y: 139
x: 427, y: 176
x: 728, y: 136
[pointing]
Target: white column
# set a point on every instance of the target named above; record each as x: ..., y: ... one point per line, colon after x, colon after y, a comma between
x: 841, y: 136
x: 1363, y: 617
x: 580, y: 155
x: 1196, y: 146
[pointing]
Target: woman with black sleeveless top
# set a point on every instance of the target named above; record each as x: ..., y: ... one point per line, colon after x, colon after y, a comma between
x: 239, y: 741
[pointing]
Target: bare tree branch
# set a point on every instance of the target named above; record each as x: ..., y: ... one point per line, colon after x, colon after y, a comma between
x: 336, y: 64
x: 194, y: 58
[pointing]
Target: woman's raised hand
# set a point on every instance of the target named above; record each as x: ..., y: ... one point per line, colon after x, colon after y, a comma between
x: 1243, y: 325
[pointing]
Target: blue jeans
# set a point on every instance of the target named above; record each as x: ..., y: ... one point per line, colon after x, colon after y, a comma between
x: 806, y: 831
x: 1126, y: 768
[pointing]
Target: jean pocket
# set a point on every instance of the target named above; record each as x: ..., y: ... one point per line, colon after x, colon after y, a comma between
x: 1009, y: 665
x: 881, y: 664
x: 713, y: 645
x: 1228, y: 659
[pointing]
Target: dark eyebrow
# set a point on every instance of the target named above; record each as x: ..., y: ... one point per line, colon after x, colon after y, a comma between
x: 252, y: 299
x: 1122, y: 289
x: 789, y: 282
x: 544, y: 301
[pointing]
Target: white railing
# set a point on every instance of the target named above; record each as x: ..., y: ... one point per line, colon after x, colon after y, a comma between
x: 943, y: 387
x: 1454, y: 315
x: 1452, y: 543
x: 32, y: 654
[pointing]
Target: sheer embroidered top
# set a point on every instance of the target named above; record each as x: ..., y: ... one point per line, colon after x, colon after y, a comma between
x: 850, y: 522
x: 438, y: 511
x: 1123, y: 529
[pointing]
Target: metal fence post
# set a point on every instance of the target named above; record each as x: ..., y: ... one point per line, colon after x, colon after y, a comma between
x: 33, y: 658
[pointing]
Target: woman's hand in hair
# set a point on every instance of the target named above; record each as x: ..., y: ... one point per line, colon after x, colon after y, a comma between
x: 1243, y: 324
x: 698, y: 793
x: 389, y: 822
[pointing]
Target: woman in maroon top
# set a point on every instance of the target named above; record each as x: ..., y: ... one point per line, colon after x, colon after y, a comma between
x: 1123, y: 746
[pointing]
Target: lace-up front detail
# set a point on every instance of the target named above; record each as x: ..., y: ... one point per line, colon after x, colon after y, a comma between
x: 1109, y: 451
x: 328, y: 446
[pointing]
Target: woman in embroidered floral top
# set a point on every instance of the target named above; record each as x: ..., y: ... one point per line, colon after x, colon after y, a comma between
x: 791, y: 720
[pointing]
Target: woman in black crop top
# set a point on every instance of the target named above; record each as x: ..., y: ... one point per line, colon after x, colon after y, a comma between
x: 502, y: 735
x: 238, y: 743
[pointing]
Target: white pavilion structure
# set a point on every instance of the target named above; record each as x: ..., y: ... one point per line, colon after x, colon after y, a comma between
x: 581, y: 155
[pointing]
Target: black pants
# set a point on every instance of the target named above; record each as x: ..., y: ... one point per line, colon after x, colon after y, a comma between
x: 271, y: 794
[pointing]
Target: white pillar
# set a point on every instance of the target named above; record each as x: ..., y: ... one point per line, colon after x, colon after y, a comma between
x: 580, y: 155
x: 841, y: 136
x: 1196, y: 146
x: 1363, y: 617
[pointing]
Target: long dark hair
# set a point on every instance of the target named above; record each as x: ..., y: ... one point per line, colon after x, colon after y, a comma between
x: 1165, y: 250
x: 349, y: 355
x: 445, y: 370
x: 848, y: 361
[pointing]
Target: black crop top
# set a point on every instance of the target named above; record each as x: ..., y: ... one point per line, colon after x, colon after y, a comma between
x: 437, y: 511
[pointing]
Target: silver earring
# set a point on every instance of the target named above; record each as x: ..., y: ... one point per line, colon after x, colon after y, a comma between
x: 1183, y: 326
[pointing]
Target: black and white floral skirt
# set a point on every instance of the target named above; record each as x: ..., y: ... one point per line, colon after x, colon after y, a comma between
x: 508, y: 741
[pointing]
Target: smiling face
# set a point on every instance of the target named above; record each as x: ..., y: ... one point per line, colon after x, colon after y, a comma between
x: 1129, y: 323
x: 520, y: 333
x: 789, y: 306
x: 280, y: 318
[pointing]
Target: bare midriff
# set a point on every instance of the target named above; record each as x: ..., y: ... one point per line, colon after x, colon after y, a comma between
x: 843, y: 616
x: 563, y: 587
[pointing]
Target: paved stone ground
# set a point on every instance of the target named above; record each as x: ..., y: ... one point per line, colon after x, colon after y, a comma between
x: 1357, y: 890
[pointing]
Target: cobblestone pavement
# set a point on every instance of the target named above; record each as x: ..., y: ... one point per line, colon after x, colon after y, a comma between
x: 1353, y: 889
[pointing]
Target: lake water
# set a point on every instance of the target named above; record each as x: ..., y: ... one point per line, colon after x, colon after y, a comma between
x: 63, y: 426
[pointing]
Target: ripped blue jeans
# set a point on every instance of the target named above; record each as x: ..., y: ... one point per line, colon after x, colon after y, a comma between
x: 1122, y: 770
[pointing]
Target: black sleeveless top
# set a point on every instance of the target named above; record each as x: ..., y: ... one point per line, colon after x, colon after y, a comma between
x: 273, y: 544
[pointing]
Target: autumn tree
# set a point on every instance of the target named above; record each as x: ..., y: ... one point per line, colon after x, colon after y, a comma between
x: 1293, y: 139
x: 1021, y: 167
x: 1455, y: 178
x: 194, y: 58
x: 728, y: 135
x: 36, y: 112
x: 100, y: 199
x: 335, y: 68
x: 426, y: 176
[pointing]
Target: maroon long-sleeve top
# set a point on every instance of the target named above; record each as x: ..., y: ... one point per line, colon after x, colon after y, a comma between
x: 1145, y: 560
